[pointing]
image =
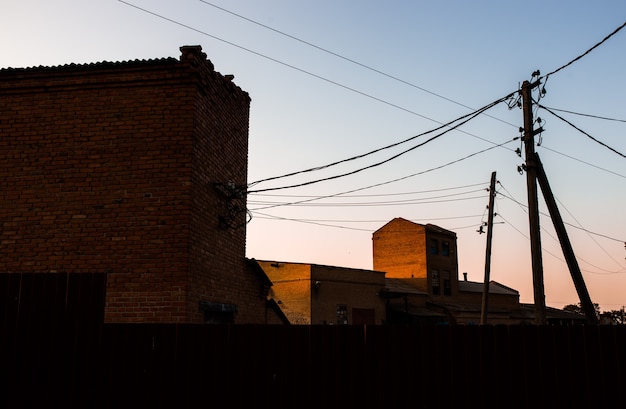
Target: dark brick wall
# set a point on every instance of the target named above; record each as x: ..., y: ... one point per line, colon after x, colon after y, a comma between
x: 110, y: 168
x: 219, y: 178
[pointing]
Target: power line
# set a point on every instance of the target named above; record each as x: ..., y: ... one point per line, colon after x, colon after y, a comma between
x: 332, y: 223
x: 569, y: 224
x: 397, y: 179
x: 380, y: 194
x: 268, y: 216
x: 316, y: 76
x: 587, y: 115
x: 370, y: 96
x: 393, y: 145
x: 586, y: 52
x: 581, y: 131
x: 472, y: 116
x: 424, y: 200
x: 288, y: 65
x: 582, y: 161
x: 606, y: 272
x: 349, y: 60
x: 590, y: 236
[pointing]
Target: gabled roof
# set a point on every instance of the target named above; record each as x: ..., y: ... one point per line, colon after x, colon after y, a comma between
x: 397, y: 220
x: 405, y: 222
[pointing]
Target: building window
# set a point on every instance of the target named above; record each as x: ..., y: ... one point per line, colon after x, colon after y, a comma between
x: 434, y: 246
x: 435, y: 281
x: 342, y: 314
x: 445, y: 248
x: 447, y: 287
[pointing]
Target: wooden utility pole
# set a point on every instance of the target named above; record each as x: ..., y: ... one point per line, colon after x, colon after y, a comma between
x: 533, y: 204
x: 485, y: 304
x: 566, y: 246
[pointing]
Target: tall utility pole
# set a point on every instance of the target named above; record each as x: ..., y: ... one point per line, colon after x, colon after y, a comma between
x: 533, y: 204
x: 485, y: 304
x: 566, y: 246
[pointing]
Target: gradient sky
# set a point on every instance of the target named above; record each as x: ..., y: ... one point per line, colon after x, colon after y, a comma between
x: 330, y: 80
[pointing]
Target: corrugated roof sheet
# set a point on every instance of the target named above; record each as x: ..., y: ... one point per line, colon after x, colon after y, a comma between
x: 99, y: 64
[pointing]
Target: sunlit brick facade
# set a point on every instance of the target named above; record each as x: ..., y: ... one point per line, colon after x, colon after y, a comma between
x: 426, y: 253
x: 313, y: 294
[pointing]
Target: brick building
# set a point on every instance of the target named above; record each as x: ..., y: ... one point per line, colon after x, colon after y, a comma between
x: 421, y: 263
x: 131, y: 169
x: 423, y: 285
x: 317, y: 294
x: 425, y: 253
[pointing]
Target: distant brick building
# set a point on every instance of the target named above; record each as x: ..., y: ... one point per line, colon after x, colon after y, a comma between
x: 426, y: 253
x: 423, y: 284
x: 131, y: 169
x: 313, y: 294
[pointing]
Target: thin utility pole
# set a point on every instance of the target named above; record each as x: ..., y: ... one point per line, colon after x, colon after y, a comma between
x: 485, y: 304
x: 566, y: 246
x: 533, y: 204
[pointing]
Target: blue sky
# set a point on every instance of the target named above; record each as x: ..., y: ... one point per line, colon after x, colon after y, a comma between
x: 333, y: 79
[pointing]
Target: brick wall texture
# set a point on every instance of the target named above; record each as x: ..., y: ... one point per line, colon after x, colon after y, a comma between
x: 128, y: 168
x: 305, y: 303
x: 401, y: 248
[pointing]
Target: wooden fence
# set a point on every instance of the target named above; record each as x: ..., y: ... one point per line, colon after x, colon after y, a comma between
x: 71, y: 359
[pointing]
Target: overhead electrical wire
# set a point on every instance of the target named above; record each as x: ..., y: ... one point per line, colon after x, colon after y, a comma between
x: 590, y: 236
x: 471, y: 115
x: 333, y: 82
x: 543, y: 146
x: 386, y: 201
x: 606, y: 272
x: 523, y: 206
x: 581, y: 131
x: 269, y: 216
x: 290, y: 66
x: 382, y: 203
x: 587, y: 115
x: 383, y: 101
x: 377, y: 195
x: 467, y: 118
x: 394, y: 180
x: 326, y: 223
x: 585, y: 53
x: 266, y: 216
x: 349, y: 60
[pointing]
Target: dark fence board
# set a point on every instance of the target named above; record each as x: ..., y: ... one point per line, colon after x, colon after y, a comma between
x: 56, y: 351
